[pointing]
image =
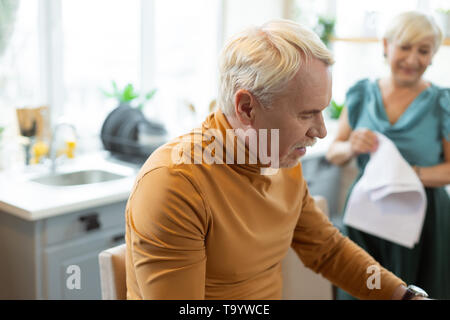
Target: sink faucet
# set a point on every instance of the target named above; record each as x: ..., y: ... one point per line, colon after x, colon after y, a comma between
x: 52, y: 155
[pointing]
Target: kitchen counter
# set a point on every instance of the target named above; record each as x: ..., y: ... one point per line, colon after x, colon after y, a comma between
x: 33, y: 201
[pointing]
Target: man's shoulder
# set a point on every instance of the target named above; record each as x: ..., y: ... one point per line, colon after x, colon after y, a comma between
x: 168, y: 157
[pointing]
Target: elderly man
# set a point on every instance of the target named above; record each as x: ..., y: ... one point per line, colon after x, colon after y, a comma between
x: 215, y: 222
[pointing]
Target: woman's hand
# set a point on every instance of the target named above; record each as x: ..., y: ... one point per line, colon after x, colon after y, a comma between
x: 363, y: 141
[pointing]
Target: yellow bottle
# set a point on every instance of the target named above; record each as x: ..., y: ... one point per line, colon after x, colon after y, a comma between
x: 39, y: 150
x: 70, y: 148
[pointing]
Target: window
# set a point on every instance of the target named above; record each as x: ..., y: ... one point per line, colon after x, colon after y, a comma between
x: 170, y: 45
x: 64, y: 52
x: 19, y: 61
x: 19, y: 74
x: 101, y: 43
x: 185, y: 68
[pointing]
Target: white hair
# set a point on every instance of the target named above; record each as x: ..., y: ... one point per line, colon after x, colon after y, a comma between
x: 264, y: 59
x: 411, y: 27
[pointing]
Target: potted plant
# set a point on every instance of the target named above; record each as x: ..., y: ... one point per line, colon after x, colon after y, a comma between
x: 334, y: 109
x: 325, y: 29
x: 128, y: 95
x: 126, y: 130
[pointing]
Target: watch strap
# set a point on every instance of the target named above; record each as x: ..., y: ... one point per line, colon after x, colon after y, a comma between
x: 414, y: 291
x: 409, y: 294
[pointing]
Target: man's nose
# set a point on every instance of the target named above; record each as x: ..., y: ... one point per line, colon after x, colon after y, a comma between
x: 318, y: 130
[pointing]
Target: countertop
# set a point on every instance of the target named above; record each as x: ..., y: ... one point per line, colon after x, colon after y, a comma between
x: 32, y: 201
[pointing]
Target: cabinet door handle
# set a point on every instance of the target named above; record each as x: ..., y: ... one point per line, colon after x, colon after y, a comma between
x: 119, y: 237
x: 90, y: 221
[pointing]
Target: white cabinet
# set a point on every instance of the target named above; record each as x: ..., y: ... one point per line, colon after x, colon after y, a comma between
x: 36, y: 255
x: 82, y: 253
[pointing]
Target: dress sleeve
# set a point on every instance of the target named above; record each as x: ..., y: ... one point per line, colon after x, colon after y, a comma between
x: 167, y: 221
x: 354, y: 100
x: 444, y: 104
x: 322, y: 248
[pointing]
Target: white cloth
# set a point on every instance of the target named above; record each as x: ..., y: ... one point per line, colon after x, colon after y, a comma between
x: 389, y: 200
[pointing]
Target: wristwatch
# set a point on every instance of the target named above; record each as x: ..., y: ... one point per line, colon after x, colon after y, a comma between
x: 414, y: 291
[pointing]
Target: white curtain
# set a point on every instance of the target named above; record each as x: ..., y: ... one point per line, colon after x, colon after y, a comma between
x: 8, y: 9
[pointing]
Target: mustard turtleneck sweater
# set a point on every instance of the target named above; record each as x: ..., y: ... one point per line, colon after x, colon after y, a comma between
x: 220, y: 231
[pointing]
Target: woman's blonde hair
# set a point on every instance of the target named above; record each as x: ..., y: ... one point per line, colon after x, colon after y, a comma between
x: 264, y: 59
x: 411, y: 27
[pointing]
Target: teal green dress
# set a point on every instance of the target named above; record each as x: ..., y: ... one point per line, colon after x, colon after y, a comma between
x: 418, y: 135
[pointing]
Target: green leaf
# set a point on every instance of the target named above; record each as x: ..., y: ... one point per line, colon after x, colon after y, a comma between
x: 335, y: 109
x: 107, y: 94
x: 325, y: 28
x: 334, y: 104
x: 128, y: 93
x: 116, y: 89
x: 150, y: 94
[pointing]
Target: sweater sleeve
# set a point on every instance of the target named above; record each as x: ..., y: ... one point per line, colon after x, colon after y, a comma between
x: 322, y: 248
x: 167, y: 224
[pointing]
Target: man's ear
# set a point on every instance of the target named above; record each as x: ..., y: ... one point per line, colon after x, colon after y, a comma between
x: 244, y: 106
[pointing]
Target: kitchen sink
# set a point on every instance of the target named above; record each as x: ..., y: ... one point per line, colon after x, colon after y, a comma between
x: 77, y: 178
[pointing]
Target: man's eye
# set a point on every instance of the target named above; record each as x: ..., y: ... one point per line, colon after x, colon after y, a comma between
x: 424, y: 52
x: 405, y: 47
x: 306, y: 117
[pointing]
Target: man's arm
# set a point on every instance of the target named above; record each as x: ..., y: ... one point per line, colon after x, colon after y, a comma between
x: 167, y: 225
x: 325, y: 250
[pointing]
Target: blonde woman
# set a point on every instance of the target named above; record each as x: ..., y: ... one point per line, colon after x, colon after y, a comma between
x: 415, y: 115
